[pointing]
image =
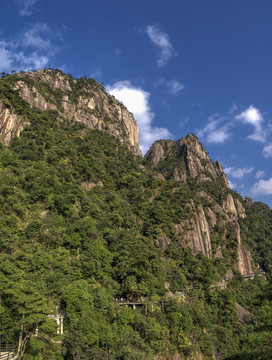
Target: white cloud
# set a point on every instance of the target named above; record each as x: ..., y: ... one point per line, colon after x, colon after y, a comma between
x: 96, y: 74
x: 238, y: 173
x: 214, y: 131
x: 232, y: 185
x: 259, y: 174
x: 267, y: 151
x: 174, y: 86
x: 5, y: 57
x: 118, y: 52
x: 137, y: 101
x: 32, y: 49
x: 161, y: 40
x: 26, y: 7
x: 253, y: 117
x: 262, y: 187
x: 217, y: 129
x: 33, y: 37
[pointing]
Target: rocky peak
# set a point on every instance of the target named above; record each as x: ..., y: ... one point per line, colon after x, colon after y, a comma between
x: 54, y: 79
x: 81, y: 100
x: 183, y: 158
x: 249, y: 202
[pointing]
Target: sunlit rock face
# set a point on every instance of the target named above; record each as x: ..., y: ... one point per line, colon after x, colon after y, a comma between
x: 82, y: 100
x: 188, y: 159
x: 184, y: 160
x: 11, y: 124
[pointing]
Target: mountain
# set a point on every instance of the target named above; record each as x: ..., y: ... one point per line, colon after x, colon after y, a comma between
x: 186, y: 160
x: 82, y: 100
x: 183, y: 159
x: 145, y: 258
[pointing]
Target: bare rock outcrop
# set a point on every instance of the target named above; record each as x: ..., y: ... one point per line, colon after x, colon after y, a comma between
x: 240, y: 209
x: 58, y: 81
x: 244, y: 260
x: 75, y: 100
x: 31, y: 95
x: 249, y: 201
x: 229, y: 206
x: 185, y: 159
x: 163, y: 242
x: 196, y: 232
x: 11, y: 124
x: 188, y: 158
x: 244, y: 314
x: 233, y: 207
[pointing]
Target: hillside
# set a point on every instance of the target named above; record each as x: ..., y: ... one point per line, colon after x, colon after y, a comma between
x: 88, y: 226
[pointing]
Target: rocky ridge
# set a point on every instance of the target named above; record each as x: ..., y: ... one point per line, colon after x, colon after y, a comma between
x: 209, y: 218
x: 82, y: 100
x: 85, y: 101
x: 183, y: 159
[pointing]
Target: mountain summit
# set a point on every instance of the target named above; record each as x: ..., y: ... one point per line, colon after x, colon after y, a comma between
x: 183, y: 159
x: 81, y: 100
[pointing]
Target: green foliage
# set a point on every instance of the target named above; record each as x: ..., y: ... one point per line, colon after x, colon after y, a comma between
x: 79, y: 223
x: 256, y: 231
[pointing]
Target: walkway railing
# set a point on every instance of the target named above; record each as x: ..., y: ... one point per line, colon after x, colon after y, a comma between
x: 8, y: 351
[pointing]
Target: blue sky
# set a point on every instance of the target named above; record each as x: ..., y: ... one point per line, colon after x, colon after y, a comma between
x: 201, y: 66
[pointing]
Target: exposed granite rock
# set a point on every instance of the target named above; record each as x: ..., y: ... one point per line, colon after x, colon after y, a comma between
x: 158, y: 154
x: 11, y: 124
x: 86, y: 185
x: 163, y: 242
x: 167, y: 355
x: 243, y: 314
x: 244, y: 260
x: 33, y: 97
x: 91, y: 105
x: 196, y: 232
x: 212, y: 216
x: 229, y: 206
x: 249, y: 201
x: 160, y: 176
x: 229, y: 274
x: 188, y: 158
x: 220, y: 172
x: 234, y: 207
x: 240, y: 209
x: 58, y: 81
x: 180, y: 160
x: 205, y: 196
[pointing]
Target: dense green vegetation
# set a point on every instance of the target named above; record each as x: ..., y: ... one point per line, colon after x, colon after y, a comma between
x: 256, y: 231
x: 79, y: 218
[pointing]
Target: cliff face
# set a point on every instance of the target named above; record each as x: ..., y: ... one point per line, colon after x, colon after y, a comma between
x: 196, y: 232
x: 212, y: 223
x: 82, y: 100
x: 185, y: 158
x: 11, y: 124
x: 199, y: 231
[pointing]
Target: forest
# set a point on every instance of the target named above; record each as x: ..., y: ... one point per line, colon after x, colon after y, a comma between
x: 80, y: 216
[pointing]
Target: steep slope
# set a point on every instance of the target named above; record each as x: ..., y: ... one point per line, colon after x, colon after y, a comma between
x: 216, y: 217
x: 81, y: 100
x: 136, y: 259
x: 184, y: 159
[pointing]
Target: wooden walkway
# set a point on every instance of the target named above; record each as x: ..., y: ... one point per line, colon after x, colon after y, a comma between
x: 180, y: 294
